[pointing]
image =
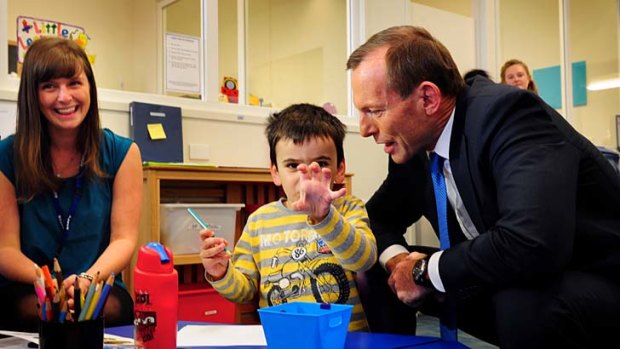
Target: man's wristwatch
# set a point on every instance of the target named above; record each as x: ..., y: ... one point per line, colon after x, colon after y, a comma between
x: 420, y: 273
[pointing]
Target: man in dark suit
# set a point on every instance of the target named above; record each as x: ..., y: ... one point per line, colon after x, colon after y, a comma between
x: 533, y: 212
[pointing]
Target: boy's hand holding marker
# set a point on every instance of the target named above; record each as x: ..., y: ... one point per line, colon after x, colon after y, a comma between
x: 213, y: 251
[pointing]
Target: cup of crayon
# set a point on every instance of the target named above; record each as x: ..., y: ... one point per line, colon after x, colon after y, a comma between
x: 71, y: 334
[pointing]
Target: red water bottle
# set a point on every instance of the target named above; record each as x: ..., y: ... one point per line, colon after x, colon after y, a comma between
x: 156, y: 290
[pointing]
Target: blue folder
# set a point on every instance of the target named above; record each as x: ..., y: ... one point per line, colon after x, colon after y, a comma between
x: 170, y: 149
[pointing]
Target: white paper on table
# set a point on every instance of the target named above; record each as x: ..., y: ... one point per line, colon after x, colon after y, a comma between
x: 13, y: 343
x: 221, y: 335
x: 28, y: 336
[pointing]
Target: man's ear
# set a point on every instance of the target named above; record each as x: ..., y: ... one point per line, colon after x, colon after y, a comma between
x: 338, y: 177
x: 275, y: 175
x: 431, y: 96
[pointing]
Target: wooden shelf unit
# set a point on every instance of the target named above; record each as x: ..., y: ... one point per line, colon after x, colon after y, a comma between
x: 200, y: 184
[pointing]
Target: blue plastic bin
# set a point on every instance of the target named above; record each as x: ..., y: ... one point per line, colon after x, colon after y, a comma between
x: 303, y: 325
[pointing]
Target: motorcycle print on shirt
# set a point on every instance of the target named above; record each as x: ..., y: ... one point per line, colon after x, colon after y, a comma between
x: 297, y: 269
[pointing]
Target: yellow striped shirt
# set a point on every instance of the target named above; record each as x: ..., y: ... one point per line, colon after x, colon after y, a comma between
x: 293, y: 260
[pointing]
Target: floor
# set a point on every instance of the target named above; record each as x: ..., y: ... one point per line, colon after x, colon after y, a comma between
x: 429, y: 326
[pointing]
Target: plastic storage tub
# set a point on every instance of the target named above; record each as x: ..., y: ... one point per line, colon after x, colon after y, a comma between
x: 303, y: 325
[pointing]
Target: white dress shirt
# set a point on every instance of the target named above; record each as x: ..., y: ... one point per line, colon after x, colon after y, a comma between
x: 442, y: 148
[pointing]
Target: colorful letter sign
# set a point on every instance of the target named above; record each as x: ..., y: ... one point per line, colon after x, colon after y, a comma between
x: 30, y: 29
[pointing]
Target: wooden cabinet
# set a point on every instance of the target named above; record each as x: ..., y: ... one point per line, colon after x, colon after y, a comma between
x: 199, y: 184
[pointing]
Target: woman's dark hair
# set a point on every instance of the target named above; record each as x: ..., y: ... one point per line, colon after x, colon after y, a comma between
x: 50, y: 58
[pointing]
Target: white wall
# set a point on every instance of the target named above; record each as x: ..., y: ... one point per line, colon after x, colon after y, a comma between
x: 235, y: 133
x: 123, y: 36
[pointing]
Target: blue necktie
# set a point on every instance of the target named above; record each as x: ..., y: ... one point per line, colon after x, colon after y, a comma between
x: 441, y: 198
x: 447, y: 323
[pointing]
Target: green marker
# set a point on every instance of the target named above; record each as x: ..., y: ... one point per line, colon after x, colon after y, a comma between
x: 203, y: 224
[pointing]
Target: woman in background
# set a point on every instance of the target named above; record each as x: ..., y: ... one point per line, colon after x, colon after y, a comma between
x: 516, y: 73
x: 68, y: 189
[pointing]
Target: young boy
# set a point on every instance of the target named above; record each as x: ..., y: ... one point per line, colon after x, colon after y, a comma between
x: 306, y: 246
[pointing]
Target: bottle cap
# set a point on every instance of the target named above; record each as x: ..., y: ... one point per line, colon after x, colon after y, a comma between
x: 163, y: 256
x: 155, y: 258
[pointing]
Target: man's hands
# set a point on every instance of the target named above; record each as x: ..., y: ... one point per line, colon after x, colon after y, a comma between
x: 315, y: 194
x: 401, y: 279
x: 213, y: 254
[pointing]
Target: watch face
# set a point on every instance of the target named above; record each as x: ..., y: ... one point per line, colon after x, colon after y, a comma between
x: 418, y: 270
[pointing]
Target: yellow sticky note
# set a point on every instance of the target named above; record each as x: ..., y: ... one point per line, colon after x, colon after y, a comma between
x: 156, y: 131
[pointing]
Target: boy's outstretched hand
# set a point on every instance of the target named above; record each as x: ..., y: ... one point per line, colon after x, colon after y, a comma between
x: 315, y: 193
x: 213, y: 254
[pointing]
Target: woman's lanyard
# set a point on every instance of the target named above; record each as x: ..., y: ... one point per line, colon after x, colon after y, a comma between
x: 65, y: 223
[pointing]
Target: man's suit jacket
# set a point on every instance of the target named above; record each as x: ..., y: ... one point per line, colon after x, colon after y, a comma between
x: 542, y: 197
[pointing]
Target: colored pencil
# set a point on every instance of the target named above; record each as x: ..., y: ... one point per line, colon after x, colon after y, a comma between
x: 104, y: 295
x: 94, y: 301
x: 58, y: 272
x: 77, y: 297
x: 89, y: 297
x: 49, y: 285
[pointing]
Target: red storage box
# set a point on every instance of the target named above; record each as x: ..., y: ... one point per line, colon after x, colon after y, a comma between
x: 203, y: 303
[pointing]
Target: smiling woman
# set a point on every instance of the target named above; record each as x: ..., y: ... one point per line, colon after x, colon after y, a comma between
x: 61, y: 156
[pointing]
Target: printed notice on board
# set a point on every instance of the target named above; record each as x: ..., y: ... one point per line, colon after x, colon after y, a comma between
x: 182, y: 63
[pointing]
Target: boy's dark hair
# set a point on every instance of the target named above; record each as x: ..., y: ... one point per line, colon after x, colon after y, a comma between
x: 302, y: 122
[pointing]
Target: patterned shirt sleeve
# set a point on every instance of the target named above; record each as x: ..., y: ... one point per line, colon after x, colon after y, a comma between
x: 346, y: 230
x: 240, y: 283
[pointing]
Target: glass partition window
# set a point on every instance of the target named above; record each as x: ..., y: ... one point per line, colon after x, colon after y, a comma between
x: 228, y: 56
x: 182, y: 49
x: 572, y: 50
x: 593, y: 50
x: 296, y: 51
x: 531, y: 36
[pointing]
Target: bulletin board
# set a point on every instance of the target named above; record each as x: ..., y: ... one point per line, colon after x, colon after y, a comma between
x: 549, y: 83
